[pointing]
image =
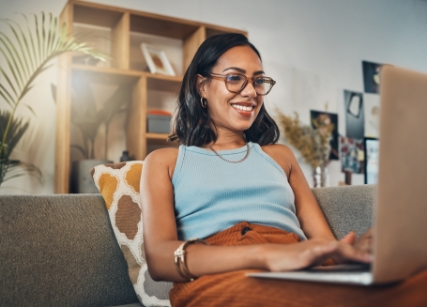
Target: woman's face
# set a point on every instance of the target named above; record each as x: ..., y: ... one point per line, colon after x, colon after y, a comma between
x: 233, y: 112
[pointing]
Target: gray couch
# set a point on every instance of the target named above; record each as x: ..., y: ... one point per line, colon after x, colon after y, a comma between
x: 60, y: 250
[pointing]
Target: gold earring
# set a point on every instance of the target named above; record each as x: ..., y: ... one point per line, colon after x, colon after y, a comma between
x: 203, y: 102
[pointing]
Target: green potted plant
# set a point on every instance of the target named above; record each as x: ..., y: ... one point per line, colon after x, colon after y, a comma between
x: 27, y: 52
x: 9, y: 168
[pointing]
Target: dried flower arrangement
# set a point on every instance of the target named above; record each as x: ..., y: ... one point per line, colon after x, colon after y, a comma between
x: 312, y: 143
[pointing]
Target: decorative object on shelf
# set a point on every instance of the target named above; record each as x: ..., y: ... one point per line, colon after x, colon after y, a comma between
x: 125, y: 156
x: 26, y: 54
x: 81, y: 179
x: 312, y: 143
x: 158, y: 121
x: 157, y: 60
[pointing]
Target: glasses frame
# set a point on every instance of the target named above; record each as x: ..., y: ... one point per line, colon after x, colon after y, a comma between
x: 252, y: 79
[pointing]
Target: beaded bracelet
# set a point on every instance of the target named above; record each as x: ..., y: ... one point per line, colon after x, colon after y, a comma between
x: 180, y: 263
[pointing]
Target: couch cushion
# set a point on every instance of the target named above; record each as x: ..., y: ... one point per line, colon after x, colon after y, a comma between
x: 119, y: 185
x: 60, y: 250
x: 347, y: 208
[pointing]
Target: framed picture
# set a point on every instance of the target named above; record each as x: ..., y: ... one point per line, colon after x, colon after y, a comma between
x: 352, y: 155
x: 330, y: 118
x: 157, y: 61
x: 354, y: 114
x: 371, y: 77
x: 371, y: 148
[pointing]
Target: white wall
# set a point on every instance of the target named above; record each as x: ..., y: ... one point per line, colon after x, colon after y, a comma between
x: 320, y: 41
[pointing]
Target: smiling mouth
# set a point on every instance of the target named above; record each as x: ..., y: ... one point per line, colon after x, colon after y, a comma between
x: 242, y: 108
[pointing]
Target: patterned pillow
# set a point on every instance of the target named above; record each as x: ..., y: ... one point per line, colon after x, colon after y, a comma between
x: 119, y: 186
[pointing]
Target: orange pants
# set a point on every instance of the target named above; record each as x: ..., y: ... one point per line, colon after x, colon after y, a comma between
x: 234, y: 289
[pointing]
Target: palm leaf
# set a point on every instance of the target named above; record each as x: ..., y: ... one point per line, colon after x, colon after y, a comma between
x: 27, y: 54
x: 30, y: 109
x: 17, y: 129
x: 12, y: 168
x: 6, y: 96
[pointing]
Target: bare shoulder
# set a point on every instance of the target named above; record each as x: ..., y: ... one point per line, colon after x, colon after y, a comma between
x: 278, y: 150
x: 162, y: 154
x: 282, y: 154
x: 162, y: 159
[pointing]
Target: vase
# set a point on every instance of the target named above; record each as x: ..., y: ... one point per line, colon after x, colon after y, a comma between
x: 320, y: 177
x: 81, y: 180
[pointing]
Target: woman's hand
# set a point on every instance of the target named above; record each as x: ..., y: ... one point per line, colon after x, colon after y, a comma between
x: 315, y: 252
x: 365, y: 241
x: 361, y: 245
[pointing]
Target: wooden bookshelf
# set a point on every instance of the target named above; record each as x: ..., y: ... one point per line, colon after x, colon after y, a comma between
x: 121, y: 25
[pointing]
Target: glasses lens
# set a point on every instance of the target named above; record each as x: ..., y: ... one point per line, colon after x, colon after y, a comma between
x: 235, y: 82
x: 262, y: 85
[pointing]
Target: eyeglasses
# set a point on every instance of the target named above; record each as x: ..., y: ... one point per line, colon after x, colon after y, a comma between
x: 235, y: 83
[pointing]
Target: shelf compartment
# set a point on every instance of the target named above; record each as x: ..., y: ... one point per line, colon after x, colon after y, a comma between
x: 153, y: 144
x: 161, y: 25
x: 92, y: 89
x: 97, y: 15
x: 106, y: 75
x: 212, y: 30
x: 157, y: 136
x: 159, y: 82
x: 172, y: 48
x: 109, y: 32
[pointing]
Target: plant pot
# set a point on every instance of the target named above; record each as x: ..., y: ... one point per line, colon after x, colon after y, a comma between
x: 81, y: 178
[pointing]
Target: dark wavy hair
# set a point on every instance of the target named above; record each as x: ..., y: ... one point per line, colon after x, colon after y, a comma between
x: 192, y: 125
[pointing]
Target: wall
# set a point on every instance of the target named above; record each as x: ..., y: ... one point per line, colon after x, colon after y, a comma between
x: 312, y: 48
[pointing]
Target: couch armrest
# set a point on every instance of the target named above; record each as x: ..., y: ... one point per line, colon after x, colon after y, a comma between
x: 347, y: 208
x: 60, y: 250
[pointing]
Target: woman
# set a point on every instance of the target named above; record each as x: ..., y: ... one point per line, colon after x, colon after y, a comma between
x: 232, y: 186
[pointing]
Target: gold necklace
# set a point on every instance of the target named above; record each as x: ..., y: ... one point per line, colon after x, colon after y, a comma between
x: 248, y: 149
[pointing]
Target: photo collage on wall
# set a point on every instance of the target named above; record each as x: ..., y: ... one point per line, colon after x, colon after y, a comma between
x: 361, y: 120
x: 328, y: 118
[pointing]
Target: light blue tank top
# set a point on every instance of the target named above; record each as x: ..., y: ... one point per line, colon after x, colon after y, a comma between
x: 212, y: 195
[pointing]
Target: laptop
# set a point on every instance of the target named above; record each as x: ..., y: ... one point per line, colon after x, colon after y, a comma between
x: 400, y: 247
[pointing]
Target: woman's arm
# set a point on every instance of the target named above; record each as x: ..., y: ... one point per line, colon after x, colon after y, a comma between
x: 311, y: 217
x: 160, y: 235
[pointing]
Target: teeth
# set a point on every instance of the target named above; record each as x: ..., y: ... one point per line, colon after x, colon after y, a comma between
x: 243, y: 108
